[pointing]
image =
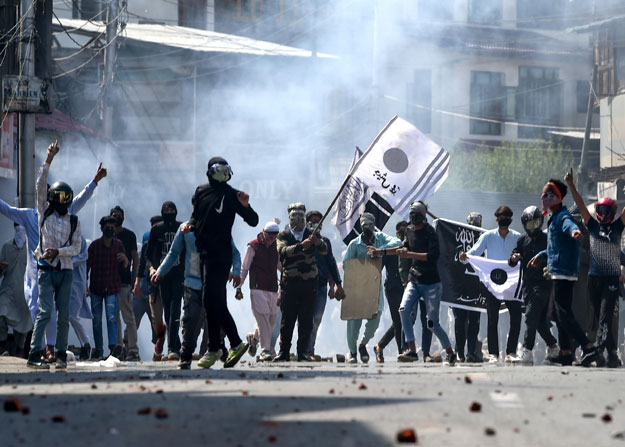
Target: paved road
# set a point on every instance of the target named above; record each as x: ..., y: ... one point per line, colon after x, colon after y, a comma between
x: 320, y: 405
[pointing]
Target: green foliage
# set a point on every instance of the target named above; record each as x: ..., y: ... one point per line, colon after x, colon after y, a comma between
x: 511, y: 167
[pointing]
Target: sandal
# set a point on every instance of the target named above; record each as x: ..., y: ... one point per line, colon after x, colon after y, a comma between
x: 379, y: 355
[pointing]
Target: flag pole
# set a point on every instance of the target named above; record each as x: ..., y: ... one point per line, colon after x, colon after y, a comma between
x: 349, y: 174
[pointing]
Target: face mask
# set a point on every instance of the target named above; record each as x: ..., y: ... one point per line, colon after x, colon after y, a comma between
x: 417, y: 218
x: 169, y: 218
x: 119, y: 220
x: 60, y: 208
x: 297, y: 220
x: 20, y: 236
x: 504, y: 222
x: 368, y: 226
x: 108, y: 232
x: 400, y: 234
x: 313, y: 225
x: 550, y: 200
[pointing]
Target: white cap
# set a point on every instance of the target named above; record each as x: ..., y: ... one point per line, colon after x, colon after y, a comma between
x: 271, y: 227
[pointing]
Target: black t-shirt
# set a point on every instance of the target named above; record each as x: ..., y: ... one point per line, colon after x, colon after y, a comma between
x: 129, y: 240
x: 393, y: 278
x: 528, y: 248
x: 159, y: 243
x: 424, y: 240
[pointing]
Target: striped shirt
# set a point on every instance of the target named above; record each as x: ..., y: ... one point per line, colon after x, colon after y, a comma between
x: 56, y: 228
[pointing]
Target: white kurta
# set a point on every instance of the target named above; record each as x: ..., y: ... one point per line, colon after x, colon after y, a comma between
x: 12, y: 301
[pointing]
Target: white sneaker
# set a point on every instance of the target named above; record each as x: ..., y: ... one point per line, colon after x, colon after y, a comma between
x: 511, y: 358
x: 526, y: 358
x: 492, y: 359
x: 351, y: 358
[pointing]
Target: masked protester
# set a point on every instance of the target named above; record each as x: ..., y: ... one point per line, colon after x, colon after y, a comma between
x: 215, y: 206
x: 498, y: 245
x: 105, y: 256
x: 59, y: 241
x: 328, y: 273
x: 562, y: 260
x: 14, y: 311
x: 421, y: 246
x: 298, y: 287
x: 78, y: 307
x: 606, y: 229
x: 536, y: 288
x: 394, y: 284
x: 467, y: 322
x: 262, y: 263
x: 166, y: 297
x: 370, y: 243
x: 124, y: 297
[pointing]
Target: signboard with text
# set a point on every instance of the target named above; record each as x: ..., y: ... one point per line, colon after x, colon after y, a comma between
x: 24, y: 95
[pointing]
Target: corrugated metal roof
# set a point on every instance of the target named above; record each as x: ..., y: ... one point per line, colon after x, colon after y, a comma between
x: 189, y: 38
x: 595, y: 25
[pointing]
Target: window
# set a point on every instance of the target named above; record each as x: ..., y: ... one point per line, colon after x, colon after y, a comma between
x: 436, y: 9
x: 419, y: 101
x: 488, y: 12
x: 249, y: 10
x: 89, y: 10
x: 583, y: 90
x: 487, y: 101
x: 192, y: 13
x: 539, y: 100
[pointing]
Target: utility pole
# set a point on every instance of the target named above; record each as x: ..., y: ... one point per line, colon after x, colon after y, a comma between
x: 110, y: 55
x: 26, y: 173
x: 583, y: 163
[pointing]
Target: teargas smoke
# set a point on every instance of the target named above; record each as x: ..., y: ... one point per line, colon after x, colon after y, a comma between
x: 286, y: 124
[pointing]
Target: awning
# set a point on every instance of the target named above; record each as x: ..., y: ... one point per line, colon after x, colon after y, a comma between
x: 186, y: 38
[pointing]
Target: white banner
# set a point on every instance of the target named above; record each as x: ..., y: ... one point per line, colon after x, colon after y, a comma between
x: 503, y: 281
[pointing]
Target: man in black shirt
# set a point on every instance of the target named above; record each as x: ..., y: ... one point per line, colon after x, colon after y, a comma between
x: 215, y: 205
x: 421, y: 245
x: 536, y: 288
x: 166, y: 297
x: 127, y: 275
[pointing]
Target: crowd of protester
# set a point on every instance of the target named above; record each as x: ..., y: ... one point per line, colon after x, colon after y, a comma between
x: 52, y: 277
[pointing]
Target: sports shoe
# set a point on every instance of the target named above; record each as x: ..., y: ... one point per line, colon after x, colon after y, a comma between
x: 451, y: 358
x: 408, y: 357
x: 526, y: 358
x: 85, y: 352
x: 379, y: 354
x: 209, y: 359
x: 589, y: 356
x: 560, y: 359
x: 184, y: 364
x: 235, y: 354
x: 133, y: 357
x: 282, y: 357
x: 553, y: 352
x: 427, y: 358
x: 265, y: 356
x: 364, y: 355
x: 305, y: 358
x: 511, y: 358
x: 60, y: 363
x: 35, y: 361
x: 472, y: 359
x: 116, y: 351
x: 173, y: 356
x: 461, y: 358
x: 493, y: 359
x: 600, y: 362
x: 97, y: 354
x: 613, y: 361
x: 252, y: 342
x: 158, y: 346
x: 351, y: 358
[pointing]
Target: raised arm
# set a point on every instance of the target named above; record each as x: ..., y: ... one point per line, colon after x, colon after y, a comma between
x: 577, y: 197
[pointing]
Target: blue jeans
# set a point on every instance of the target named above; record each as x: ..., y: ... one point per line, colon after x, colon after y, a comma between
x: 431, y: 294
x: 110, y: 303
x: 55, y: 288
x: 320, y: 307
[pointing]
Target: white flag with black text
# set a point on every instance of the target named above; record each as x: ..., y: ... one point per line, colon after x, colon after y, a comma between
x: 402, y: 166
x: 503, y: 281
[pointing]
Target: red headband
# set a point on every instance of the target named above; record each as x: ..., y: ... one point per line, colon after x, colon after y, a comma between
x: 556, y: 189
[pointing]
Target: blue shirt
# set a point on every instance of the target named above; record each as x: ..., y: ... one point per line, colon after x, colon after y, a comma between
x: 496, y: 247
x: 192, y: 272
x: 358, y: 249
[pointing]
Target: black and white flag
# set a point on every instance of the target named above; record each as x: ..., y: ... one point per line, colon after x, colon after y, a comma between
x: 503, y: 281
